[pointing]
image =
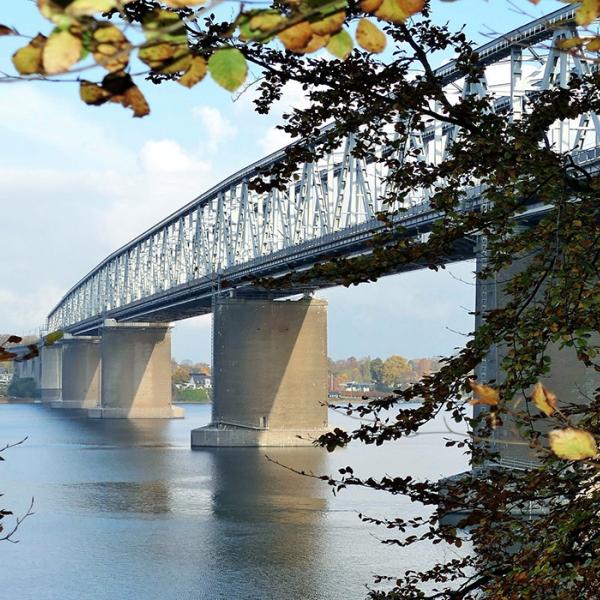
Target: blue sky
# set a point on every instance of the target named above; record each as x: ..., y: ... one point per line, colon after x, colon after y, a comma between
x: 77, y: 182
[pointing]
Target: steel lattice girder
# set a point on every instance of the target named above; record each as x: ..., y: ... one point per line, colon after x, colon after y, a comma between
x: 231, y: 231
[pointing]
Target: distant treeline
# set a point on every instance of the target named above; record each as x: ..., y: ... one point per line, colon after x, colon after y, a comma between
x: 383, y: 374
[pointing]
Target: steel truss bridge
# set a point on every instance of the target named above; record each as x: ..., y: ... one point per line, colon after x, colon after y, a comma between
x: 232, y: 233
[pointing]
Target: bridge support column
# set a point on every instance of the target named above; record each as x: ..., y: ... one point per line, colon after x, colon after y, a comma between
x: 29, y: 369
x: 51, y: 375
x: 568, y: 379
x: 80, y: 373
x: 135, y: 372
x: 269, y: 373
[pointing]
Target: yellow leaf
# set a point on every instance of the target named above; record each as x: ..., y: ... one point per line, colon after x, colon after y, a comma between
x: 61, y: 52
x: 296, y: 37
x: 484, y: 394
x: 573, y: 444
x: 587, y: 12
x: 370, y: 37
x: 315, y: 43
x: 154, y: 54
x: 183, y: 3
x: 93, y: 94
x: 195, y: 72
x: 569, y: 43
x: 370, y: 6
x: 266, y: 20
x: 544, y: 399
x: 56, y: 13
x: 390, y: 10
x: 228, y: 68
x: 330, y: 24
x: 80, y: 8
x: 397, y: 11
x: 111, y: 48
x: 593, y: 45
x: 28, y: 60
x: 53, y: 337
x: 340, y: 45
x: 412, y: 6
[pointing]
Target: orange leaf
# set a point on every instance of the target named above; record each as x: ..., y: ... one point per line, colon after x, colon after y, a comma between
x: 370, y: 37
x: 296, y: 37
x: 483, y: 394
x: 370, y: 5
x: 412, y: 6
x: 544, y: 399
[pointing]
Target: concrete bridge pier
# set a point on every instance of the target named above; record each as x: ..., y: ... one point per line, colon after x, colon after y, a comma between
x: 135, y: 372
x: 269, y: 373
x: 29, y: 369
x: 51, y: 373
x: 80, y: 372
x: 569, y: 379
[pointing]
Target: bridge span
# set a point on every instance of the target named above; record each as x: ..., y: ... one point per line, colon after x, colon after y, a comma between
x: 270, y: 358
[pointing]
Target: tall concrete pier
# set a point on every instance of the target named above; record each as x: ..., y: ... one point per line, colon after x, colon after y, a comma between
x: 51, y: 373
x: 269, y: 373
x: 80, y: 372
x: 569, y: 379
x: 136, y: 372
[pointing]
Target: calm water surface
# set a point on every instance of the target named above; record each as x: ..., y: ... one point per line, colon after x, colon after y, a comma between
x: 125, y: 510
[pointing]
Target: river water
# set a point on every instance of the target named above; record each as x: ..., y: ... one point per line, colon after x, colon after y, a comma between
x: 126, y: 510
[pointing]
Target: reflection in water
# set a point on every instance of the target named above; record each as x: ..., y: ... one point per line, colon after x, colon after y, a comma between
x: 127, y: 511
x: 245, y: 482
x: 270, y: 520
x: 120, y: 497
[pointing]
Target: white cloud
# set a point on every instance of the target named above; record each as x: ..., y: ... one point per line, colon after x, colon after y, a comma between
x: 216, y: 129
x: 292, y: 96
x: 273, y: 140
x: 52, y: 127
x: 25, y: 313
x: 167, y: 156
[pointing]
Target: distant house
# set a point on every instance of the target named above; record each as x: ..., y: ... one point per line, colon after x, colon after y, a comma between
x: 5, y: 378
x: 357, y: 386
x: 199, y: 380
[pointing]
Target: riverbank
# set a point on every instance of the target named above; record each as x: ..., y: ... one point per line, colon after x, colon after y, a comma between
x: 195, y: 396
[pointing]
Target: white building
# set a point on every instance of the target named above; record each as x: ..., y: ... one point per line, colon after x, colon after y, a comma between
x: 199, y: 380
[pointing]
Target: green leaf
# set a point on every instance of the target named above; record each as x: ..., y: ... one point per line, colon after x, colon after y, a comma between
x: 340, y: 45
x: 228, y: 68
x: 246, y: 32
x: 573, y: 444
x: 53, y: 337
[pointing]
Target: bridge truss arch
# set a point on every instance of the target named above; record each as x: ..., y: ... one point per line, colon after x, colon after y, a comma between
x: 232, y: 233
